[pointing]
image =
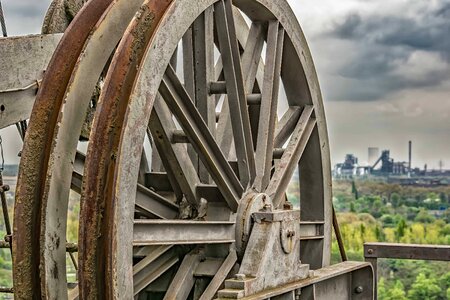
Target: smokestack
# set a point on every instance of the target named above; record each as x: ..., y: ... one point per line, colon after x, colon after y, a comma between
x: 410, y: 155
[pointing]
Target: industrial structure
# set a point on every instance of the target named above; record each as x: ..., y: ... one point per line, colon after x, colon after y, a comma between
x: 384, y: 166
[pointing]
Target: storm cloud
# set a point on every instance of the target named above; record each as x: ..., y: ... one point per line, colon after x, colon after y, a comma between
x: 390, y: 53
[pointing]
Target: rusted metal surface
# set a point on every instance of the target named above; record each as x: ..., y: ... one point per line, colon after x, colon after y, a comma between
x: 36, y: 150
x: 99, y: 278
x: 93, y: 60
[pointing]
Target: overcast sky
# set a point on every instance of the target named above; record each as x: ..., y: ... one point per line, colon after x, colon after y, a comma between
x: 383, y: 65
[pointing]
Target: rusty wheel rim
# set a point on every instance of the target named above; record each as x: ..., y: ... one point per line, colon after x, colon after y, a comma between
x: 35, y: 153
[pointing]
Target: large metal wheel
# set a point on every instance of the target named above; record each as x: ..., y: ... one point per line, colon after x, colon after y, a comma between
x: 198, y: 211
x: 206, y: 177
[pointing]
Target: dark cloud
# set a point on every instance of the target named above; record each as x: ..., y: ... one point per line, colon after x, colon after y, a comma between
x: 385, y: 44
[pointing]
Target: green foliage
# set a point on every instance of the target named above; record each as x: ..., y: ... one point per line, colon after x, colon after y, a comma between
x: 424, y: 217
x: 396, y: 292
x: 395, y: 199
x: 424, y: 288
x: 389, y: 213
x: 401, y: 227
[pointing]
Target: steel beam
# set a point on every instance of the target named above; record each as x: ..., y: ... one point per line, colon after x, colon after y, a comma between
x: 291, y: 156
x: 201, y: 138
x: 180, y: 232
x: 358, y: 276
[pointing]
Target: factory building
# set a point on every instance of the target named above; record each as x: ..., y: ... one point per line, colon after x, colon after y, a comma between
x: 379, y: 165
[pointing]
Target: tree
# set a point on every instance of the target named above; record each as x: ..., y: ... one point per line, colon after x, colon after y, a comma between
x: 379, y: 234
x: 401, y: 227
x: 397, y: 292
x: 354, y: 190
x: 377, y: 205
x: 381, y: 289
x: 424, y: 217
x: 395, y: 200
x: 424, y: 288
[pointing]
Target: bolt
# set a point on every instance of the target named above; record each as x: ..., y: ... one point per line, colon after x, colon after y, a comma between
x: 8, y: 238
x: 370, y: 251
x: 288, y: 205
x: 267, y: 207
x: 359, y: 289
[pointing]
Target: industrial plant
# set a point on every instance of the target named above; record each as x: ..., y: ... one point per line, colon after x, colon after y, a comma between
x: 383, y: 166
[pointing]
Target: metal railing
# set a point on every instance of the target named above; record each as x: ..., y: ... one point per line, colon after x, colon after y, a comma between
x: 374, y: 251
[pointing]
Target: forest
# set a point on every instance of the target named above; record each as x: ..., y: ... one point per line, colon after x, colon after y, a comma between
x: 375, y: 211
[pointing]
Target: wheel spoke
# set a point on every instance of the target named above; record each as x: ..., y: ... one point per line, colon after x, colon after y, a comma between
x: 237, y: 101
x: 286, y: 126
x: 251, y: 61
x: 188, y: 63
x: 203, y: 44
x: 269, y: 104
x: 146, y: 199
x: 184, y: 280
x: 251, y: 58
x: 153, y: 266
x: 180, y: 170
x: 182, y: 232
x: 201, y: 138
x: 155, y: 204
x: 291, y: 156
x: 220, y: 276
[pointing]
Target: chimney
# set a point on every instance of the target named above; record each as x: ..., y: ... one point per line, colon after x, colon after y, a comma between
x: 410, y: 155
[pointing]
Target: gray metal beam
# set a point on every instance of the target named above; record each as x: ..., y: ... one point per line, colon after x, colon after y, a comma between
x: 407, y: 251
x: 291, y: 156
x: 201, y: 138
x: 236, y: 91
x: 179, y: 232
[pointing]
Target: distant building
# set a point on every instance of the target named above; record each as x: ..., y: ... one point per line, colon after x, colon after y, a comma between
x: 383, y: 166
x: 349, y: 168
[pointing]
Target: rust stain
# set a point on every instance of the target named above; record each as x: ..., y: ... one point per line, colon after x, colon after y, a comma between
x: 36, y: 150
x: 97, y: 203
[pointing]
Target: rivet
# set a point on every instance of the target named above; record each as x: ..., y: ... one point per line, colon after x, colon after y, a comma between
x: 359, y: 289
